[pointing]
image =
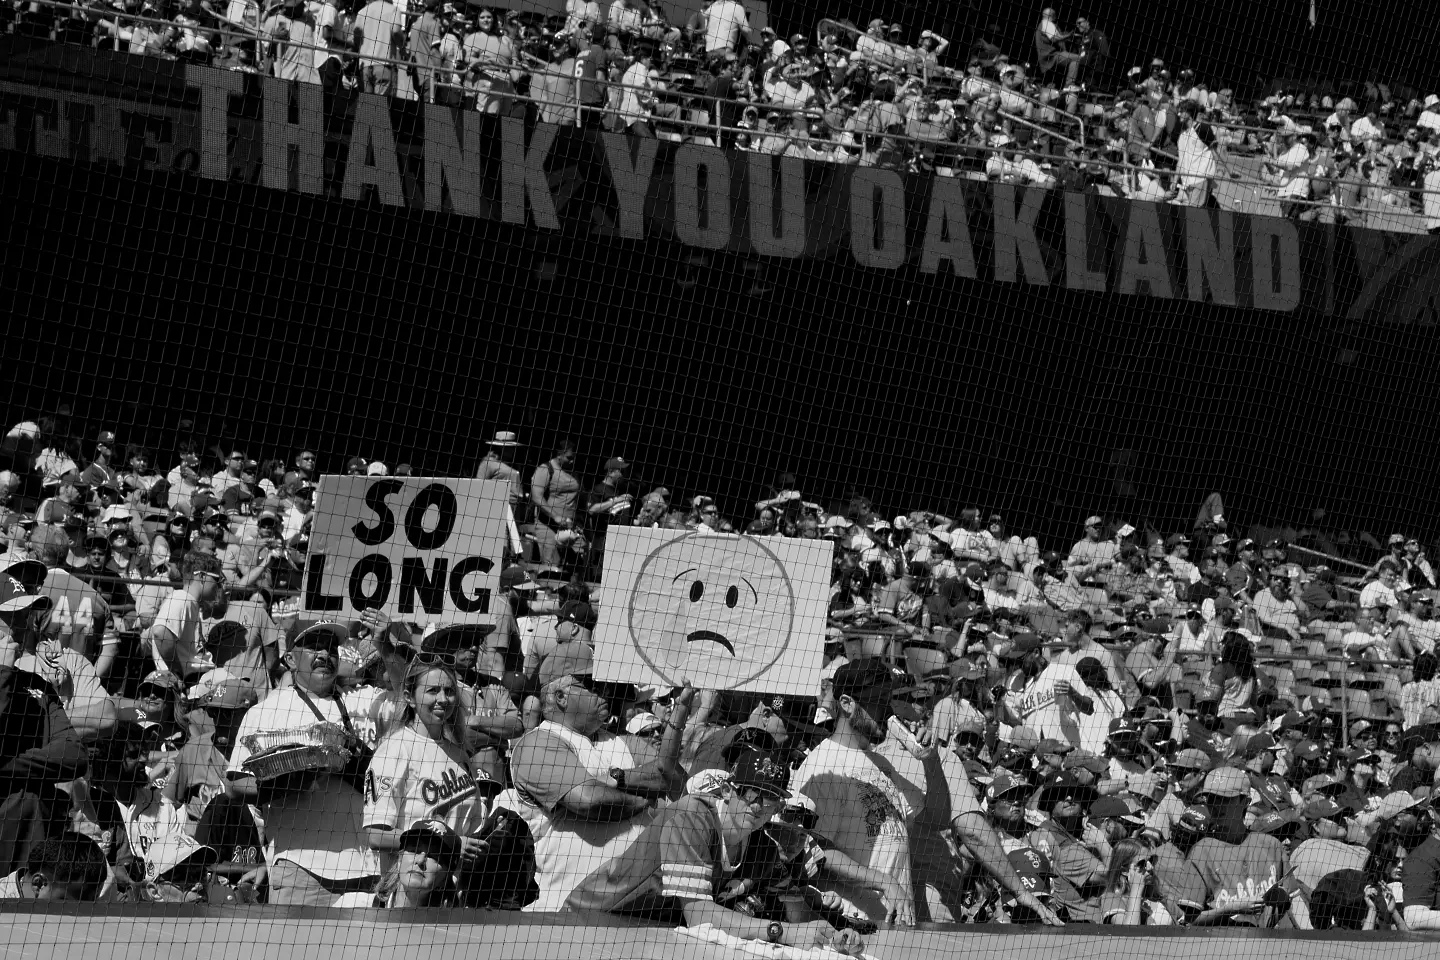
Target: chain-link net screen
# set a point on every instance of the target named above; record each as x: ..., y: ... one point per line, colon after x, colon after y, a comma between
x: 684, y: 481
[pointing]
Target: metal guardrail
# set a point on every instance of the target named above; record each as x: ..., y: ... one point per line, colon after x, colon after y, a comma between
x: 1128, y: 170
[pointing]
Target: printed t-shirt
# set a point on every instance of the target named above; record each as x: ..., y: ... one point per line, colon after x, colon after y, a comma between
x: 863, y: 811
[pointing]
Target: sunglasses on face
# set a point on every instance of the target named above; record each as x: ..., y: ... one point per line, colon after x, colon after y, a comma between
x: 755, y: 798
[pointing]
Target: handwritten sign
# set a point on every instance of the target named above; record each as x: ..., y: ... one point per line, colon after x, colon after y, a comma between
x: 422, y: 549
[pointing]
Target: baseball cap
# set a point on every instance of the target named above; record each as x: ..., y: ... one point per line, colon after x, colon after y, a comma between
x: 1322, y: 808
x: 1194, y: 818
x: 1258, y: 744
x: 117, y: 511
x: 14, y: 597
x: 377, y: 469
x: 514, y: 577
x: 106, y: 437
x: 173, y: 849
x: 325, y: 635
x: 1065, y: 786
x: 760, y: 770
x: 1050, y: 745
x: 1322, y: 782
x: 1021, y: 644
x: 569, y: 659
x: 1024, y: 739
x: 616, y: 463
x: 576, y: 611
x: 451, y: 638
x: 1122, y: 727
x: 1308, y: 750
x: 1005, y: 782
x: 30, y: 574
x: 1034, y: 870
x: 163, y: 679
x: 865, y: 680
x: 435, y: 838
x: 1396, y: 539
x: 1151, y: 786
x: 1226, y: 782
x: 1276, y: 822
x: 877, y: 22
x: 1113, y: 808
x: 643, y: 723
x: 1174, y: 540
x: 356, y: 463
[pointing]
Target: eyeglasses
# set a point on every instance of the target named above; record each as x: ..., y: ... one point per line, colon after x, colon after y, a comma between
x: 237, y: 458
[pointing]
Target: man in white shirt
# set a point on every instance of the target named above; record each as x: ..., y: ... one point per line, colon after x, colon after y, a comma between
x: 1380, y: 592
x: 230, y: 476
x: 314, y: 820
x: 175, y: 637
x: 858, y: 799
x: 1094, y: 548
x: 382, y: 30
x: 293, y: 33
x: 1177, y: 547
x: 1277, y: 610
x: 725, y: 20
x: 1198, y: 161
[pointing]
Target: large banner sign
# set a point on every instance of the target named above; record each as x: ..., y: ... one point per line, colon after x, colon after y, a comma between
x: 144, y: 115
x: 423, y: 550
x: 721, y: 611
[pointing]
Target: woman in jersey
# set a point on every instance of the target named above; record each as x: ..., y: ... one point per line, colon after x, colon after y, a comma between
x: 423, y: 769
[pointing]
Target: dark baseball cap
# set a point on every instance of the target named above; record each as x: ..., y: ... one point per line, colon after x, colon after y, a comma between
x: 867, y: 680
x: 433, y: 837
x: 763, y: 771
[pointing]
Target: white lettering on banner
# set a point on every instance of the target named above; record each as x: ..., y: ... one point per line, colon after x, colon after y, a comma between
x: 1078, y: 275
x: 424, y: 550
x: 1210, y: 254
x: 1142, y: 259
x: 1015, y: 234
x: 877, y: 241
x: 522, y: 174
x: 452, y: 159
x: 631, y: 179
x: 372, y: 151
x: 1272, y: 240
x: 306, y: 137
x: 158, y: 135
x: 947, y: 232
x: 690, y: 159
x: 216, y: 86
x: 789, y: 242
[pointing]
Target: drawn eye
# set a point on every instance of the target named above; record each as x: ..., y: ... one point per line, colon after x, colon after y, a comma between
x: 697, y: 590
x: 732, y: 597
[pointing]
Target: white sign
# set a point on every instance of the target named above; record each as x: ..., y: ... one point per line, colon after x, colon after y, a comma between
x: 422, y: 549
x: 723, y: 611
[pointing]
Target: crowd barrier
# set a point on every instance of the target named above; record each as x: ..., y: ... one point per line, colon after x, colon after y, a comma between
x: 170, y: 933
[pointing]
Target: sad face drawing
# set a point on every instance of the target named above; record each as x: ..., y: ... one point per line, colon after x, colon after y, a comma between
x: 715, y: 609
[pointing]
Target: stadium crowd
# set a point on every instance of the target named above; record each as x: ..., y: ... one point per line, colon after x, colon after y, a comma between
x: 1185, y: 729
x: 1062, y: 113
